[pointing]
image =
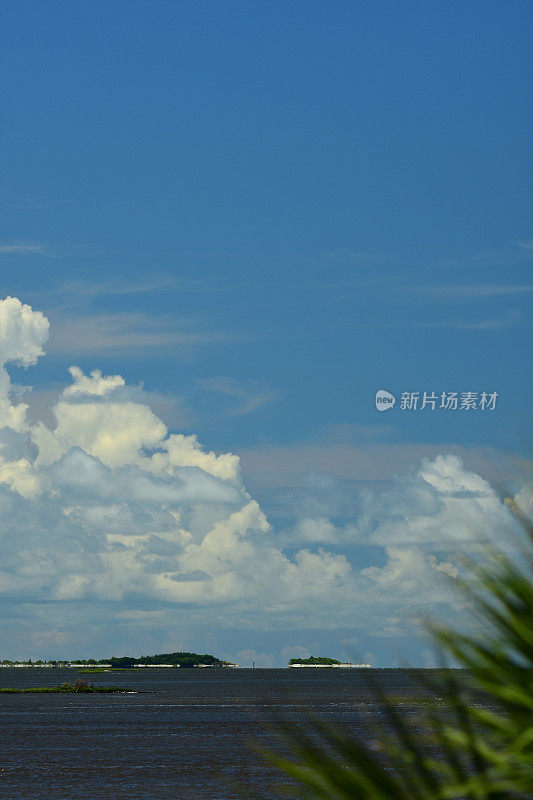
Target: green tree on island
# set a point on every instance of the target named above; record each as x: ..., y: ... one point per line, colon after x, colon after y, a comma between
x: 180, y: 659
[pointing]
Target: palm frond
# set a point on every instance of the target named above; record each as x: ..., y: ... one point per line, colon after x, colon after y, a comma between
x: 476, y: 745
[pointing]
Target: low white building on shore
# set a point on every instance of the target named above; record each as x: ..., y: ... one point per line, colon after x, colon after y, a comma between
x: 332, y: 666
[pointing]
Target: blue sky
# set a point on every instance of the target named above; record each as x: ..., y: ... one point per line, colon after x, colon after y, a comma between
x: 267, y: 212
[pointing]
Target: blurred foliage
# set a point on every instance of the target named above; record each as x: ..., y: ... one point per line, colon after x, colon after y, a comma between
x: 475, y: 743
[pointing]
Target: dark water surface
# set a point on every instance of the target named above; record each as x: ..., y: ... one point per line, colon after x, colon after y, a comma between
x: 183, y: 736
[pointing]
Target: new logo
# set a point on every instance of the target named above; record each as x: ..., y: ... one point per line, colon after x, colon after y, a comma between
x: 384, y: 400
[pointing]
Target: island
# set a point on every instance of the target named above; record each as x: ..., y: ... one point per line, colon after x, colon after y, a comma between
x: 177, y: 659
x: 322, y: 661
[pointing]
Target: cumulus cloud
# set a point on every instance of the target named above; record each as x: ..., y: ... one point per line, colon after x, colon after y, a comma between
x: 23, y: 332
x: 107, y: 505
x: 93, y: 384
x: 440, y: 504
x: 319, y: 529
x: 109, y: 517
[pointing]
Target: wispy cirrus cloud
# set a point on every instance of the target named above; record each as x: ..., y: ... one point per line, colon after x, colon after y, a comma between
x: 286, y: 466
x: 244, y: 396
x: 470, y: 292
x: 127, y: 332
x: 507, y: 320
x: 526, y: 244
x: 83, y: 292
x: 517, y: 252
x: 88, y: 290
x: 23, y: 249
x: 359, y: 257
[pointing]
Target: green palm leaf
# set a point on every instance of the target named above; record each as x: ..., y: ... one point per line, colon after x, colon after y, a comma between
x: 475, y: 745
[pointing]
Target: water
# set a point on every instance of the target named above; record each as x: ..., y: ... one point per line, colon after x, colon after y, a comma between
x: 183, y: 736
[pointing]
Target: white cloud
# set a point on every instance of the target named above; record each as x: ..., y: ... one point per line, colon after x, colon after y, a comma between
x: 290, y: 465
x: 23, y: 332
x: 526, y: 244
x: 185, y: 451
x: 440, y: 504
x: 94, y: 384
x: 410, y: 575
x: 105, y: 514
x: 113, y: 432
x: 523, y: 502
x: 124, y: 332
x: 316, y: 529
x: 86, y: 289
x: 244, y: 396
x: 475, y: 291
x: 22, y: 249
x: 20, y: 476
x: 505, y: 320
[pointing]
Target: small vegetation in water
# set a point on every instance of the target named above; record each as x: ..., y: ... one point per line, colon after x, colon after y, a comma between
x: 79, y: 686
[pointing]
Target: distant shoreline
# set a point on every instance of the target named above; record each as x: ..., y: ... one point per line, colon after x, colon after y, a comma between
x: 106, y: 668
x: 330, y: 666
